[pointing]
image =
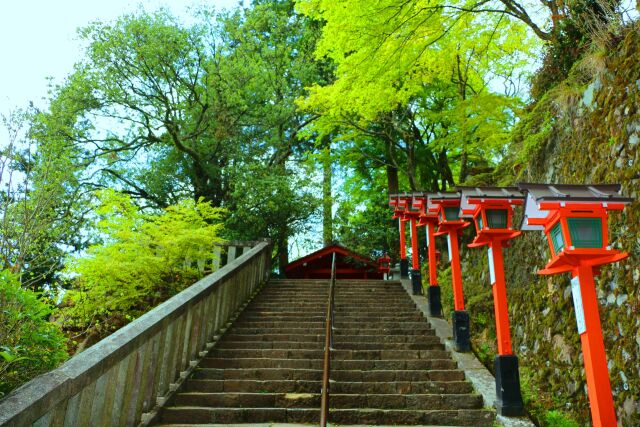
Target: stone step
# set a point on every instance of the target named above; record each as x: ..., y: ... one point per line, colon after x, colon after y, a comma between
x: 300, y: 308
x: 204, y: 385
x: 342, y: 311
x: 439, y: 370
x: 458, y: 417
x: 295, y: 302
x: 306, y: 363
x: 347, y: 314
x: 338, y: 320
x: 258, y: 374
x: 390, y: 364
x: 197, y: 415
x: 394, y: 323
x: 272, y: 317
x: 395, y: 329
x: 232, y: 335
x: 279, y: 325
x: 424, y: 336
x: 240, y: 362
x: 338, y: 400
x: 283, y: 330
x: 383, y: 330
x: 338, y: 354
x: 388, y: 367
x: 272, y: 345
x: 338, y: 345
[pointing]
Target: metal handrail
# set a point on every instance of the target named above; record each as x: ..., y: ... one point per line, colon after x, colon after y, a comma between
x: 328, y: 345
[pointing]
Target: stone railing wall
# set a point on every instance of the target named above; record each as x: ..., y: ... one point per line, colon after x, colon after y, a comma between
x: 125, y: 379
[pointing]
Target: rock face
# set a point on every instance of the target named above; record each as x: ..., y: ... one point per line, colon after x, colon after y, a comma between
x: 591, y: 137
x: 388, y: 367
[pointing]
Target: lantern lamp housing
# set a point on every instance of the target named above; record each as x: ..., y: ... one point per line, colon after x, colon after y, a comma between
x: 575, y: 221
x: 492, y: 211
x: 446, y: 207
x: 385, y: 263
x: 420, y: 203
x: 398, y: 204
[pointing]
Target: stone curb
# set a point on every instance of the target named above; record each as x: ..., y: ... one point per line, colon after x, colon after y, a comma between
x: 475, y: 371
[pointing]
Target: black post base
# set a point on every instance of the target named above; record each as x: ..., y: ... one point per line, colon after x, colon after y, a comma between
x: 461, y: 337
x: 435, y: 306
x: 404, y: 268
x: 416, y: 282
x: 509, y: 400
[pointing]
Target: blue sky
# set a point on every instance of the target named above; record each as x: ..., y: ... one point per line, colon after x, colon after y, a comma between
x: 38, y: 40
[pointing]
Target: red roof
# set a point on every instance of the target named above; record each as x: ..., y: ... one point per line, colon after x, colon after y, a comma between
x: 349, y: 265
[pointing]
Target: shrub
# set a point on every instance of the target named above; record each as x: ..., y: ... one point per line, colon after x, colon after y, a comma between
x: 143, y: 260
x: 29, y: 343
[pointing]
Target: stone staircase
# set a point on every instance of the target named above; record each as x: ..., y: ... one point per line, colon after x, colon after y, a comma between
x: 388, y: 367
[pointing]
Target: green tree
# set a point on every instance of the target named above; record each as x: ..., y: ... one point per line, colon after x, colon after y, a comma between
x: 143, y: 259
x: 415, y: 87
x: 40, y: 203
x: 29, y: 344
x: 164, y: 111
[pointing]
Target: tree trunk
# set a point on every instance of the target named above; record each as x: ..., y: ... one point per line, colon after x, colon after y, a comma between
x: 464, y: 167
x: 445, y: 171
x: 327, y: 198
x: 283, y: 253
x: 392, y: 179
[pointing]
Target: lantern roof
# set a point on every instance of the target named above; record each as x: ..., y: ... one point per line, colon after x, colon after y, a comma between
x: 393, y: 200
x: 419, y: 201
x: 440, y: 196
x: 542, y: 198
x: 470, y: 194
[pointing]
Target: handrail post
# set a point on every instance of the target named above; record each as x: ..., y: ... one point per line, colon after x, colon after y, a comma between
x: 328, y: 345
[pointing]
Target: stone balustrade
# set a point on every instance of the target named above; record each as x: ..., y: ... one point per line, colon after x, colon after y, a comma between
x: 125, y: 379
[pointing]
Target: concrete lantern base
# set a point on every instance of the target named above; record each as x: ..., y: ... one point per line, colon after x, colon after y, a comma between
x: 435, y: 305
x: 416, y: 282
x: 461, y: 336
x: 404, y: 268
x: 509, y: 399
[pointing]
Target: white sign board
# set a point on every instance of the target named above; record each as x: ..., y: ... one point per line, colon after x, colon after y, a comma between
x: 577, y: 305
x: 492, y: 270
x: 427, y: 233
x: 449, y: 245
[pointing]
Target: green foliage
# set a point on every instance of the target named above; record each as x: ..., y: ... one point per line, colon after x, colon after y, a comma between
x: 584, y: 130
x: 362, y: 222
x: 29, y: 343
x: 559, y: 419
x: 40, y: 203
x: 164, y: 111
x: 142, y: 260
x: 270, y: 203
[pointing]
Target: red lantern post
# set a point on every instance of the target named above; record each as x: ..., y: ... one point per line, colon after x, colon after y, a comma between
x: 430, y: 221
x: 574, y: 218
x: 413, y: 216
x: 447, y: 207
x: 384, y: 263
x: 492, y: 211
x: 398, y: 213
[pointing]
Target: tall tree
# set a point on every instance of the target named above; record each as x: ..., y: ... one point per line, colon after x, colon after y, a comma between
x: 415, y: 88
x: 160, y: 110
x: 41, y: 203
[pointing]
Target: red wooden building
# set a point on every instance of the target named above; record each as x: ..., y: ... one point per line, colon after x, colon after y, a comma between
x: 349, y: 265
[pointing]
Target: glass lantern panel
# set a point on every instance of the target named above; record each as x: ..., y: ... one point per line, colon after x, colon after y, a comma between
x: 557, y: 238
x: 452, y: 213
x: 497, y: 218
x: 585, y: 232
x: 479, y: 221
